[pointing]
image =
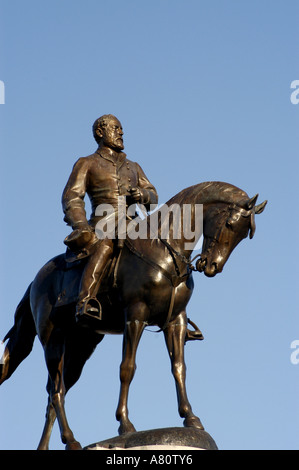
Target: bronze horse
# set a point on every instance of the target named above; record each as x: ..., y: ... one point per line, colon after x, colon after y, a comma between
x: 152, y: 286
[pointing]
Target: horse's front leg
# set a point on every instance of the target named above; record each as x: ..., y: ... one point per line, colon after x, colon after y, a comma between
x: 132, y: 335
x: 175, y: 335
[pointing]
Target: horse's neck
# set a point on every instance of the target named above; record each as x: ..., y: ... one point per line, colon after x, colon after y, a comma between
x: 194, y: 209
x: 200, y: 200
x: 182, y: 226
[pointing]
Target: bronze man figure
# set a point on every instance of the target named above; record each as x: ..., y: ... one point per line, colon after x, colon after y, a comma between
x: 104, y: 176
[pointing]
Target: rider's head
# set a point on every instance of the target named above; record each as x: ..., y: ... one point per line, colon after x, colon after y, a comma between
x: 107, y: 131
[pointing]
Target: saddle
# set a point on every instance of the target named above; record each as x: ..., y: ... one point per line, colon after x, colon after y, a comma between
x: 71, y: 268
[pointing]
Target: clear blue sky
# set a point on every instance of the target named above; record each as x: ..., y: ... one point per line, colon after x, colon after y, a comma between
x: 202, y: 89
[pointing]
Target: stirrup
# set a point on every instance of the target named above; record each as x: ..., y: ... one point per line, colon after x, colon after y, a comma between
x: 195, y: 334
x: 91, y: 308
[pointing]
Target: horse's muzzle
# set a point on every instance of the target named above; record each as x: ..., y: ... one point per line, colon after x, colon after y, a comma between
x: 211, y: 270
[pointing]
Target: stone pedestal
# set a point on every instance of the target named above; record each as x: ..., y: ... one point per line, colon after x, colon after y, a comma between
x: 159, y: 439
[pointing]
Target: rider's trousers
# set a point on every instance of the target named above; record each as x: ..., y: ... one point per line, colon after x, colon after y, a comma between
x: 94, y: 270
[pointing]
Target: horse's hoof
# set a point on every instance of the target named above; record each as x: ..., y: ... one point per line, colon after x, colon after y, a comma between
x: 193, y: 422
x: 75, y: 445
x: 126, y: 429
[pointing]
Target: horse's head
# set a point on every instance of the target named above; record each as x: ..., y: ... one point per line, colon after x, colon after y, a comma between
x: 225, y: 225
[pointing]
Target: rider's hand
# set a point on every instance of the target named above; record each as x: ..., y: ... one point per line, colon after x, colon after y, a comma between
x: 83, y: 227
x: 135, y: 195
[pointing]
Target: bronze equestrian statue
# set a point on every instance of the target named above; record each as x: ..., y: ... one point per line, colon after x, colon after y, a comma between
x: 146, y: 282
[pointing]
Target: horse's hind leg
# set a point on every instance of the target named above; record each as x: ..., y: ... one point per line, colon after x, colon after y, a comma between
x: 50, y: 420
x: 175, y: 335
x: 55, y: 362
x: 74, y: 360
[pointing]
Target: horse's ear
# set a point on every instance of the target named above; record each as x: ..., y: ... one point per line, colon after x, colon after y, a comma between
x: 259, y: 209
x: 251, y: 202
x: 252, y: 226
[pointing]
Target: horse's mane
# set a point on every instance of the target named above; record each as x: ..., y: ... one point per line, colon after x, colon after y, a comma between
x: 208, y: 192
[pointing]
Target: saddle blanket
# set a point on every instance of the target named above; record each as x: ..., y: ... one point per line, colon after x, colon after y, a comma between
x: 71, y: 274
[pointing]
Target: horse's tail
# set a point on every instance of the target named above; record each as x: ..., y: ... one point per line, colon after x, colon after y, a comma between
x: 21, y: 338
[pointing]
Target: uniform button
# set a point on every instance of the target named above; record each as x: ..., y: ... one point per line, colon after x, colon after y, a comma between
x: 129, y: 179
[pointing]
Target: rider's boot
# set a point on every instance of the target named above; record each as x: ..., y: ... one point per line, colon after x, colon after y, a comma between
x: 88, y: 305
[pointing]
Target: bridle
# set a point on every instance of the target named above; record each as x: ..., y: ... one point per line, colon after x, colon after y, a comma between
x: 220, y: 226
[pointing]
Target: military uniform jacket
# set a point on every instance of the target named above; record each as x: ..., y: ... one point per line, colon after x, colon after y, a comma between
x: 103, y: 176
